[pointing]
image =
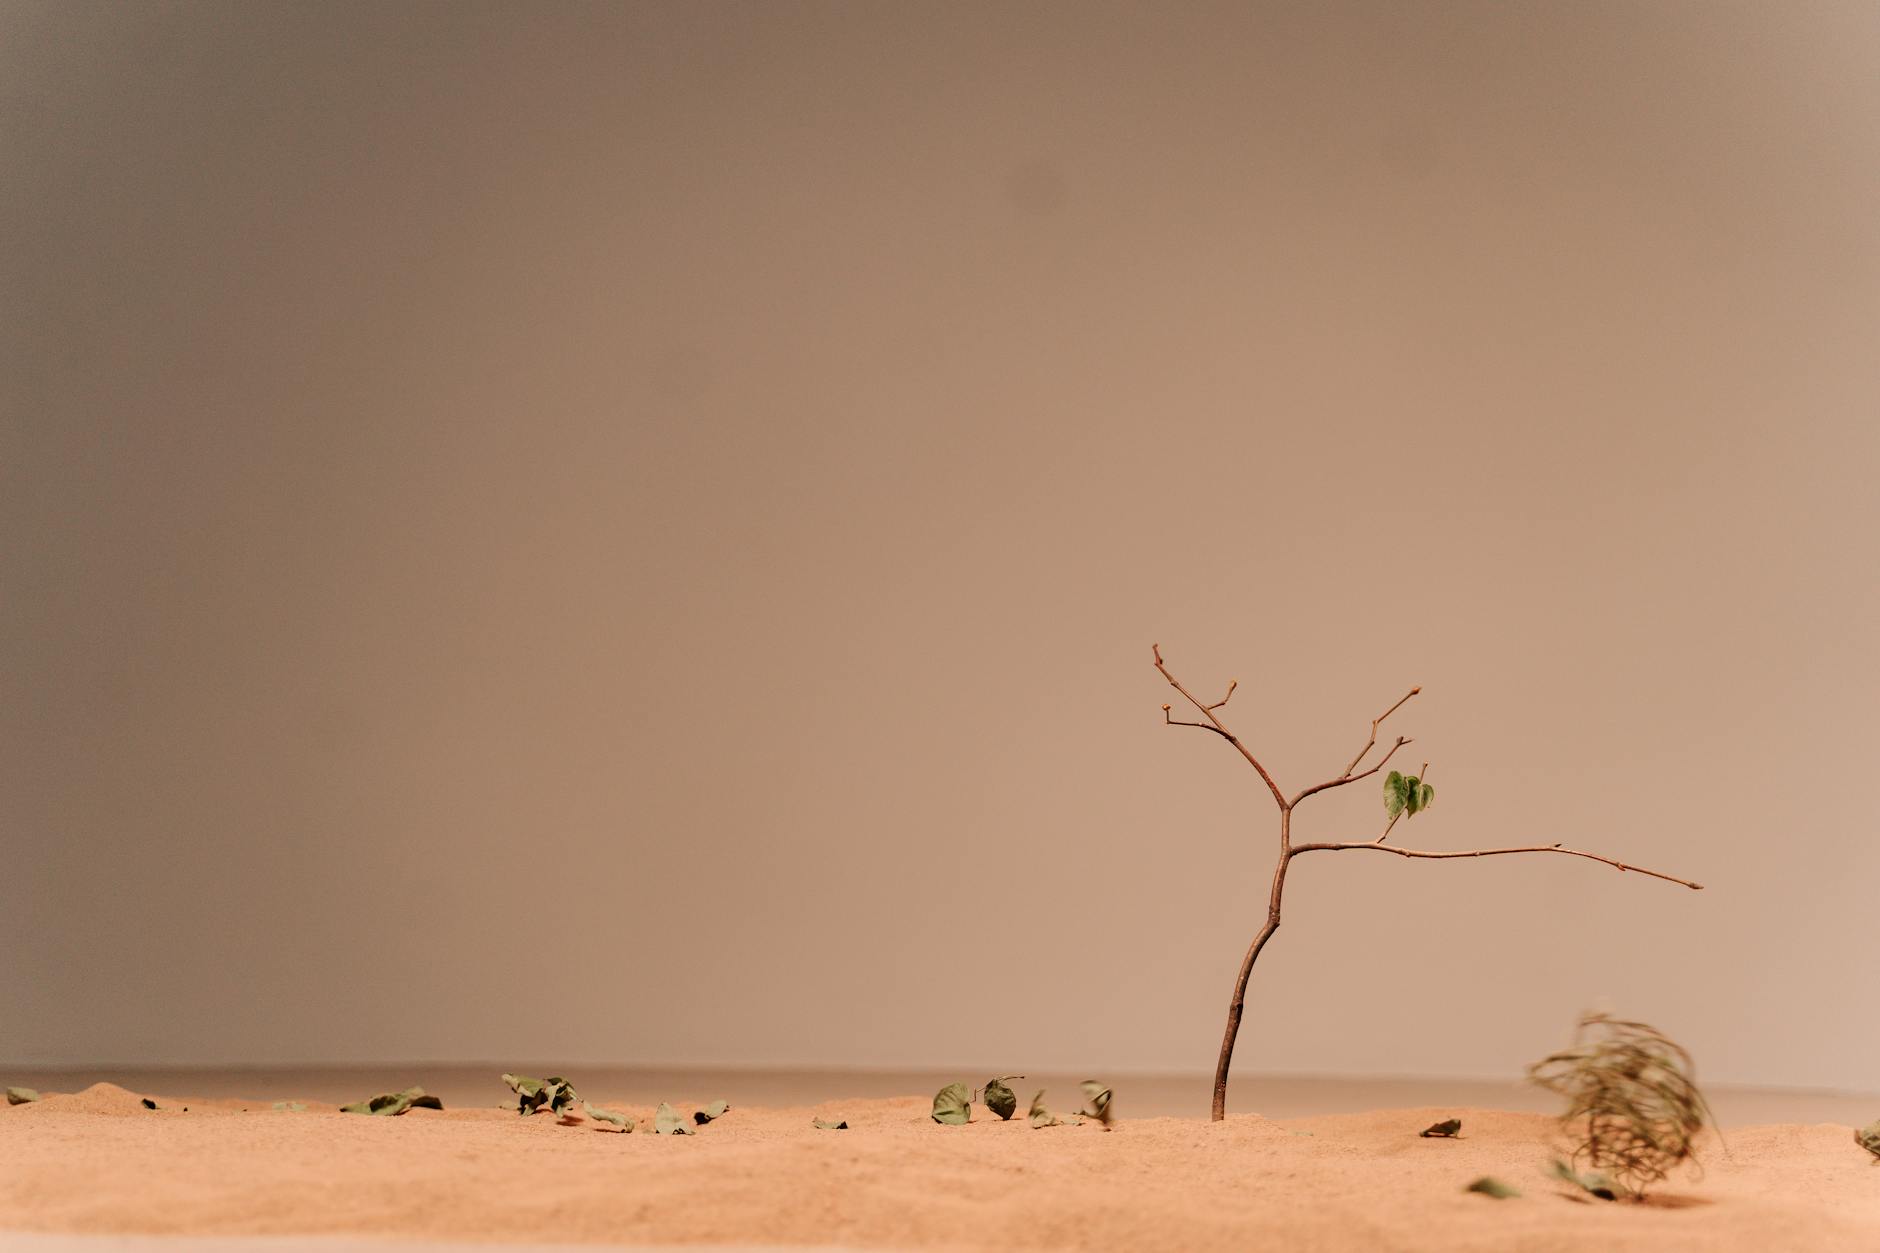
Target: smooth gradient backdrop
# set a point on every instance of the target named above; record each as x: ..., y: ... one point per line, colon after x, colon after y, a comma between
x: 633, y: 533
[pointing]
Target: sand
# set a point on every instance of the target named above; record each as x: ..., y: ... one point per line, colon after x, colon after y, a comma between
x: 98, y: 1161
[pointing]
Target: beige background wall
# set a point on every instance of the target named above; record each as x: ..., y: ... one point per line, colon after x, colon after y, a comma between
x: 626, y: 533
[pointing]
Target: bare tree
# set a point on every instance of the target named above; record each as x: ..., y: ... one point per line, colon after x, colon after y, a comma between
x: 1288, y: 850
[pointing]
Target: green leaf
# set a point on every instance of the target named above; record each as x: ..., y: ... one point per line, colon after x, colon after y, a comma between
x: 1406, y: 794
x: 1444, y: 1130
x: 1867, y: 1137
x: 1097, y: 1102
x: 1488, y: 1185
x: 1000, y: 1099
x: 1596, y: 1184
x: 953, y: 1105
x: 1396, y: 793
x: 607, y: 1115
x: 21, y: 1096
x: 824, y: 1124
x: 553, y: 1093
x: 666, y: 1122
x: 717, y: 1109
x: 391, y: 1104
x: 1040, y: 1116
x: 291, y: 1107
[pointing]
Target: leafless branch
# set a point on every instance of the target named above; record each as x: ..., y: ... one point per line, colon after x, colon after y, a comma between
x: 1375, y: 724
x: 1343, y: 779
x: 1171, y: 720
x: 1375, y: 846
x: 1216, y: 725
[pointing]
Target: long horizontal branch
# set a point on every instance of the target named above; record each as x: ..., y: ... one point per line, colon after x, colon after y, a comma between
x: 1490, y: 852
x: 1215, y: 725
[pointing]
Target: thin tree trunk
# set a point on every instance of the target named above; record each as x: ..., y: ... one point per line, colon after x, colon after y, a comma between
x: 1235, y: 1006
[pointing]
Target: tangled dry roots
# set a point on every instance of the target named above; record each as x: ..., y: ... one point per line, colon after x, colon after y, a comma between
x: 1632, y: 1101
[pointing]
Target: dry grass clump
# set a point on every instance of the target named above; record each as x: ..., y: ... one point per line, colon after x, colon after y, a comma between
x: 1632, y: 1102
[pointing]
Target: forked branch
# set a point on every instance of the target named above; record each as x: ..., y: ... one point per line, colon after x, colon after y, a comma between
x: 1375, y: 724
x: 1369, y: 744
x: 1343, y: 779
x: 1214, y: 724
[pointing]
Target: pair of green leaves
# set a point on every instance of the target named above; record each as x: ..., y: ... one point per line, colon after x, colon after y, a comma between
x: 391, y: 1104
x: 953, y: 1104
x: 554, y: 1093
x: 667, y: 1121
x: 1868, y: 1137
x: 1406, y: 794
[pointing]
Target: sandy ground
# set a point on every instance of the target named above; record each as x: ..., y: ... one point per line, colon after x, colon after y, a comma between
x: 1148, y: 1096
x: 98, y: 1162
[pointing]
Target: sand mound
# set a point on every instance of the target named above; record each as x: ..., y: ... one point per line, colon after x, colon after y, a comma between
x: 112, y: 1101
x: 99, y: 1098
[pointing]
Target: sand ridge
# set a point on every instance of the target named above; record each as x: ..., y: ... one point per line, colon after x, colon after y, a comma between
x: 98, y: 1161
